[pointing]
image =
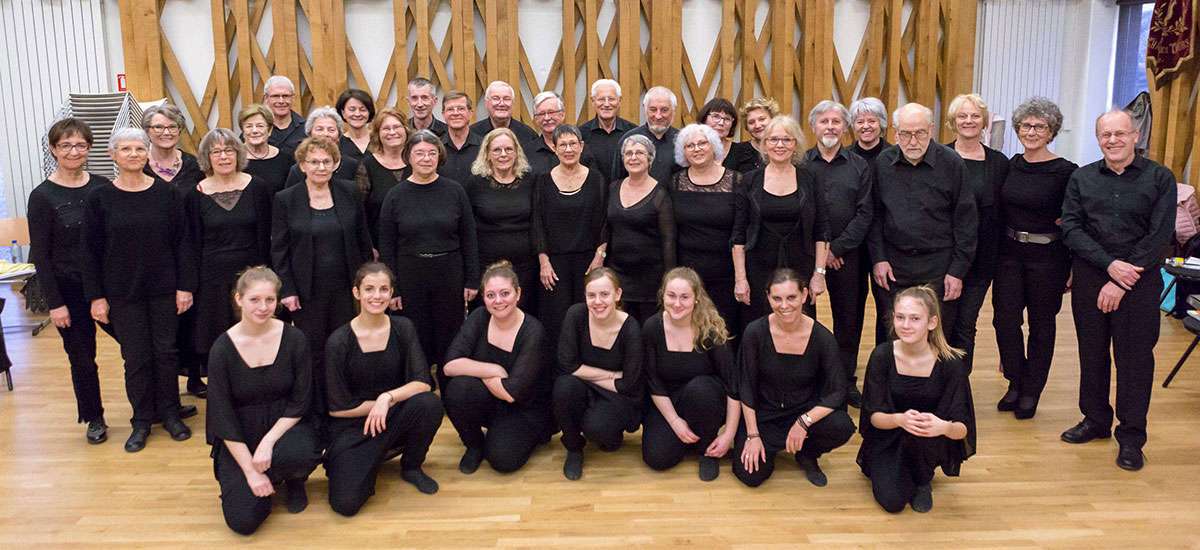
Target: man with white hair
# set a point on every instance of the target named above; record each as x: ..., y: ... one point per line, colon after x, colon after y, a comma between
x: 658, y: 106
x: 499, y: 100
x: 287, y: 127
x: 1117, y: 218
x: 422, y: 98
x: 548, y: 113
x: 603, y: 133
x: 846, y: 181
x: 924, y: 229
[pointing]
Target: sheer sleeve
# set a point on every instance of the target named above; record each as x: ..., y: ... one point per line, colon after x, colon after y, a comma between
x: 876, y: 397
x: 748, y: 359
x: 467, y: 339
x: 630, y: 383
x: 415, y: 364
x: 666, y: 227
x: 537, y: 224
x: 833, y: 385
x: 957, y: 405
x: 652, y: 333
x: 721, y: 357
x: 337, y: 355
x: 221, y: 422
x: 300, y: 401
x: 741, y: 213
x: 387, y: 230
x: 261, y: 193
x: 804, y: 178
x: 614, y: 193
x: 599, y: 207
x: 574, y: 321
x: 528, y: 361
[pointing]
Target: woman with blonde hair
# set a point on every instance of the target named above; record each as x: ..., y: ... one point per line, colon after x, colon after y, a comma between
x: 917, y: 411
x: 690, y: 370
x: 746, y: 156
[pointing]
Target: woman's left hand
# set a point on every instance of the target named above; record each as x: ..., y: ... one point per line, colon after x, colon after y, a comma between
x: 720, y: 446
x: 376, y: 421
x: 183, y: 301
x: 817, y: 285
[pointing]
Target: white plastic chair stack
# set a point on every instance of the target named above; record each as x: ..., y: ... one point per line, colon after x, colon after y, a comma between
x: 103, y: 112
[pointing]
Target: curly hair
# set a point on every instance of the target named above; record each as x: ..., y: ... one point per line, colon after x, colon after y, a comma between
x: 707, y: 325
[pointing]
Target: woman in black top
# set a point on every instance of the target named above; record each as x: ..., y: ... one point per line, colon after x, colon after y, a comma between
x: 792, y: 387
x: 781, y: 222
x: 380, y: 397
x: 498, y: 379
x: 746, y: 156
x: 427, y: 238
x: 501, y: 194
x: 917, y: 412
x: 704, y: 197
x: 598, y: 392
x: 384, y: 166
x: 260, y: 377
x: 986, y: 169
x: 638, y: 239
x: 318, y: 240
x: 869, y: 120
x: 1034, y: 266
x: 693, y: 382
x: 568, y: 203
x: 720, y: 115
x: 358, y: 111
x: 325, y: 123
x: 140, y: 271
x: 264, y: 161
x: 229, y: 214
x: 55, y: 247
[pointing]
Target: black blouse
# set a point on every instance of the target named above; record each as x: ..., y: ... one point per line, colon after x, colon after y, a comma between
x: 704, y: 218
x: 565, y: 223
x: 641, y: 240
x: 354, y: 376
x: 374, y: 181
x: 1031, y: 196
x: 575, y: 348
x: 528, y: 382
x: 742, y: 157
x: 273, y: 171
x: 667, y: 371
x: 56, y: 233
x: 503, y: 219
x: 231, y: 240
x: 778, y: 384
x: 785, y: 228
x: 244, y: 403
x: 186, y: 178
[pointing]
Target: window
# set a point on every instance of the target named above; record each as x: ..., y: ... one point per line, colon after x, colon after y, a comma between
x: 1133, y: 29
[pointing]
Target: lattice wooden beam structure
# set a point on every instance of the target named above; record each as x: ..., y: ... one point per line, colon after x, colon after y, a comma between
x: 939, y: 35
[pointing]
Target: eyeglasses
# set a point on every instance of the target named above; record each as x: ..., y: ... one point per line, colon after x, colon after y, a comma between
x: 319, y: 163
x: 781, y: 141
x: 424, y: 154
x: 502, y: 150
x: 280, y: 97
x: 68, y: 147
x: 254, y: 126
x: 228, y: 151
x: 1115, y: 135
x: 697, y: 146
x: 1033, y: 128
x: 391, y: 128
x: 905, y: 135
x: 501, y: 100
x: 545, y: 114
x: 568, y: 145
x: 160, y: 129
x: 719, y: 117
x: 637, y: 153
x: 455, y: 109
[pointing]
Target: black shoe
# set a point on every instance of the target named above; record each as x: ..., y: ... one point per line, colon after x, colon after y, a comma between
x: 709, y: 468
x: 1130, y: 458
x: 178, y: 430
x: 1085, y: 431
x: 97, y: 431
x: 197, y: 387
x: 297, y: 496
x: 854, y: 397
x: 137, y: 440
x: 573, y: 467
x: 1026, y: 408
x: 185, y: 412
x: 812, y: 470
x: 923, y: 500
x: 1009, y: 401
x: 470, y: 461
x: 422, y: 482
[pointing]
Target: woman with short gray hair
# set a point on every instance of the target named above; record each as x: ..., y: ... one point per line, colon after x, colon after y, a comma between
x: 1033, y: 269
x: 325, y: 123
x: 869, y: 120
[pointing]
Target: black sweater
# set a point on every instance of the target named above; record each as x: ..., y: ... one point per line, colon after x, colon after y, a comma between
x: 429, y: 219
x: 641, y: 240
x: 568, y: 223
x: 503, y: 219
x: 56, y: 233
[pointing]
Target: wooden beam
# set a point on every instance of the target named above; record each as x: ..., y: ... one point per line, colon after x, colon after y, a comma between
x: 570, y: 71
x: 284, y: 42
x: 629, y: 57
x: 220, y: 76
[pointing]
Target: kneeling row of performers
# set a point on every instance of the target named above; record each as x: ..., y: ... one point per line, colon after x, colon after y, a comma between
x: 783, y: 393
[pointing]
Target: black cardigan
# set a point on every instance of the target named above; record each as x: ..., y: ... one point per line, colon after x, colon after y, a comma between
x: 292, y: 246
x: 814, y: 221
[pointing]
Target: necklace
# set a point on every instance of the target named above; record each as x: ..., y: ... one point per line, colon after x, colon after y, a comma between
x: 168, y: 171
x: 255, y: 156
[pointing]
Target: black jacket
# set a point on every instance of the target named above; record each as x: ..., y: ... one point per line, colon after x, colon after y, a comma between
x: 291, y: 237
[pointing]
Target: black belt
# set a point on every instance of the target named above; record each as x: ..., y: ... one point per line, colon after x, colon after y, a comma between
x: 1035, y: 238
x: 432, y: 255
x: 918, y: 251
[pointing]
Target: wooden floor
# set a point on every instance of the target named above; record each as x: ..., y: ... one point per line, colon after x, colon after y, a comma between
x: 1025, y: 488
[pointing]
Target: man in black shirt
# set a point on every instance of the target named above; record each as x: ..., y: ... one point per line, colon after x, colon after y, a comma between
x: 845, y: 179
x: 462, y: 145
x: 498, y: 100
x: 1117, y: 218
x: 602, y: 134
x: 658, y: 106
x: 422, y: 97
x: 288, y: 127
x: 924, y: 229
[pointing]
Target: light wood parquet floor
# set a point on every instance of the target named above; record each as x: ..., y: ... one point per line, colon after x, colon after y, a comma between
x: 1024, y: 489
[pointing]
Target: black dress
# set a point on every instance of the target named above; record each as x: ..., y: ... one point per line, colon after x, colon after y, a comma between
x: 704, y: 219
x: 504, y: 228
x: 354, y: 377
x: 895, y: 460
x: 641, y: 246
x: 513, y: 429
x: 273, y: 170
x: 244, y: 403
x: 698, y: 383
x: 232, y: 231
x: 374, y: 181
x: 585, y: 411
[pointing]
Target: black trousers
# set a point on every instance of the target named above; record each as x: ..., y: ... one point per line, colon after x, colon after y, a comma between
x: 513, y: 430
x: 146, y: 333
x: 553, y: 304
x: 1028, y: 286
x: 848, y: 304
x: 330, y: 306
x: 895, y: 476
x: 1132, y: 332
x: 884, y: 304
x: 192, y: 363
x: 353, y: 461
x: 961, y: 333
x: 293, y: 458
x: 586, y: 412
x: 829, y: 433
x: 431, y: 290
x: 701, y: 402
x: 79, y: 341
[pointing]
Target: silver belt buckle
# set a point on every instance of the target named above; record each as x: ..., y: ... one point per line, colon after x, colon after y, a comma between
x: 1022, y: 236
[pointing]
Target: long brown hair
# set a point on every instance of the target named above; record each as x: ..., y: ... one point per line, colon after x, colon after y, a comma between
x: 925, y: 295
x: 707, y: 325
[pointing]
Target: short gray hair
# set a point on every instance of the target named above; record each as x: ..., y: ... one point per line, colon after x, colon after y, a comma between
x: 168, y: 110
x: 215, y: 137
x: 278, y: 80
x: 925, y: 111
x: 825, y: 106
x: 1039, y: 107
x: 870, y: 106
x: 127, y: 134
x: 548, y: 94
x: 605, y: 82
x: 318, y: 114
x: 660, y: 90
x: 495, y: 83
x: 639, y: 139
x: 688, y: 132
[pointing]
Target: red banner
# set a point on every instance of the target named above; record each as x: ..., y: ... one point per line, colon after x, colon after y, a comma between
x: 1172, y: 40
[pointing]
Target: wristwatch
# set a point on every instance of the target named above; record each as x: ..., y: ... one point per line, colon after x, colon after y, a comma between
x: 819, y: 271
x: 808, y: 421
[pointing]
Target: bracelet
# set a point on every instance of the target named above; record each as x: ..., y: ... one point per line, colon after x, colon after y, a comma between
x: 389, y: 396
x: 751, y: 436
x: 800, y: 422
x: 807, y: 421
x: 819, y: 271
